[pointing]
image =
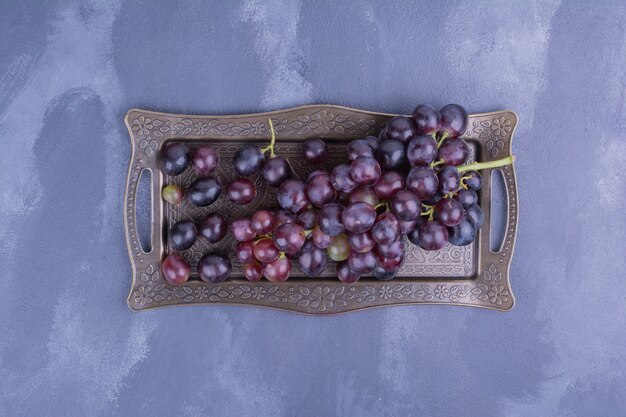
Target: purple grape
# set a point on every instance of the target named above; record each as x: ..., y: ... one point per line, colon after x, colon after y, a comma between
x: 392, y: 250
x: 242, y: 230
x: 265, y: 250
x: 467, y: 198
x: 278, y: 270
x: 473, y: 180
x: 252, y: 271
x: 453, y: 151
x: 182, y: 235
x: 421, y: 151
x: 449, y: 180
x: 423, y: 182
x: 391, y: 155
x: 320, y: 190
x: 475, y: 215
x: 401, y: 128
x: 214, y: 268
x: 406, y: 227
x: 364, y: 194
x: 307, y: 219
x: 358, y: 217
x: 329, y: 219
x: 427, y: 119
x: 362, y: 263
x: 361, y: 242
x: 276, y: 170
x: 314, y: 150
x: 406, y: 206
x: 432, y: 235
x: 175, y: 269
x: 365, y: 170
x: 262, y: 221
x: 357, y: 148
x: 321, y: 239
x: 386, y: 230
x: 248, y: 160
x: 213, y: 228
x: 388, y: 185
x: 345, y: 274
x: 449, y: 212
x: 341, y: 179
x: 204, y: 191
x: 204, y: 159
x: 383, y: 274
x: 462, y: 234
x: 453, y: 120
x: 291, y: 196
x: 289, y: 238
x: 244, y: 251
x: 241, y: 191
x: 312, y: 259
x: 174, y: 158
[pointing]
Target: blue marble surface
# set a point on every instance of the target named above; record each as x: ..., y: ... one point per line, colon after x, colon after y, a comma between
x: 69, y: 70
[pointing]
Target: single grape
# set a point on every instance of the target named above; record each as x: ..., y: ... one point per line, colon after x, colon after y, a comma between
x: 361, y: 242
x: 174, y: 158
x: 213, y: 227
x: 265, y: 250
x: 242, y: 230
x: 244, y: 251
x: 406, y: 206
x: 339, y: 248
x: 204, y: 191
x: 365, y: 170
x: 421, y: 151
x: 453, y: 151
x: 401, y: 128
x: 427, y: 120
x: 291, y: 195
x: 314, y: 150
x: 278, y: 270
x: 453, y: 120
x: 391, y: 155
x: 345, y: 274
x: 214, y: 268
x: 462, y: 234
x: 388, y: 185
x: 204, y: 159
x: 432, y: 235
x: 473, y: 180
x: 406, y: 227
x: 182, y: 235
x: 449, y: 180
x: 392, y: 250
x: 475, y: 215
x: 329, y: 219
x: 320, y: 190
x: 282, y: 217
x: 173, y: 194
x: 289, y: 238
x: 391, y: 263
x: 467, y: 198
x: 362, y: 263
x: 252, y: 271
x: 386, y: 230
x: 423, y: 182
x: 449, y: 212
x: 262, y: 222
x: 307, y: 219
x: 241, y: 191
x: 311, y: 259
x: 276, y: 170
x: 358, y: 217
x: 372, y: 141
x: 248, y: 160
x: 364, y: 194
x: 175, y: 269
x: 341, y: 179
x: 357, y: 148
x: 383, y: 274
x: 321, y: 239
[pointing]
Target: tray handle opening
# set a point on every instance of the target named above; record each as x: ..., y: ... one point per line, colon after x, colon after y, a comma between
x: 498, y: 214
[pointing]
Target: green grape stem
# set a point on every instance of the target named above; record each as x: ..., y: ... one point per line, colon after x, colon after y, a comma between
x: 430, y: 211
x: 444, y: 136
x: 477, y: 166
x: 308, y: 232
x: 273, y: 141
x: 437, y: 162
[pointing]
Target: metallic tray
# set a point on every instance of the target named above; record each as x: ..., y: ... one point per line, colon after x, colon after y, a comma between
x: 470, y: 276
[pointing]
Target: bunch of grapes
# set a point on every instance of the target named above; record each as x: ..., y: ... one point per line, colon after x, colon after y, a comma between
x: 409, y: 183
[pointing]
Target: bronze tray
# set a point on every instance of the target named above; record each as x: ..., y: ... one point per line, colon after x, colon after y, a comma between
x: 471, y: 276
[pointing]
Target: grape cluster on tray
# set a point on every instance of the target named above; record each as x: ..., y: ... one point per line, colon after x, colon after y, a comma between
x: 411, y: 182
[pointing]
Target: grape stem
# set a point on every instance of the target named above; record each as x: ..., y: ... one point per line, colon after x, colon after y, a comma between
x: 308, y: 232
x: 437, y: 162
x: 477, y: 166
x: 463, y: 185
x: 430, y: 211
x: 382, y: 204
x: 281, y: 255
x: 444, y: 136
x: 273, y: 141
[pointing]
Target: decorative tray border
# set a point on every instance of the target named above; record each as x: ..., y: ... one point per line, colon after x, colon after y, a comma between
x: 490, y: 133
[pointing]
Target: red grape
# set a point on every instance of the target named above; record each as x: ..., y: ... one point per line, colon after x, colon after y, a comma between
x: 462, y: 234
x: 321, y: 239
x: 292, y: 196
x: 252, y: 271
x: 213, y: 227
x: 453, y: 151
x: 341, y: 179
x: 282, y: 217
x: 453, y: 120
x: 262, y: 222
x: 265, y: 250
x: 449, y: 212
x: 406, y: 227
x: 204, y: 159
x: 473, y: 180
x: 391, y: 263
x: 289, y: 238
x: 307, y: 219
x: 382, y: 274
x: 467, y: 198
x: 364, y: 194
x: 358, y: 217
x: 276, y: 170
x: 241, y: 191
x: 449, y: 180
x: 242, y: 230
x: 392, y: 250
x: 244, y: 251
x: 357, y: 148
x: 277, y: 270
x: 475, y: 215
x: 345, y: 274
x: 427, y: 119
x: 175, y: 269
x: 320, y: 190
x: 365, y: 170
x: 386, y: 230
x: 314, y: 150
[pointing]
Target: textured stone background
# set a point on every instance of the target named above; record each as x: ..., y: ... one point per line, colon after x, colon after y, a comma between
x: 69, y: 346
